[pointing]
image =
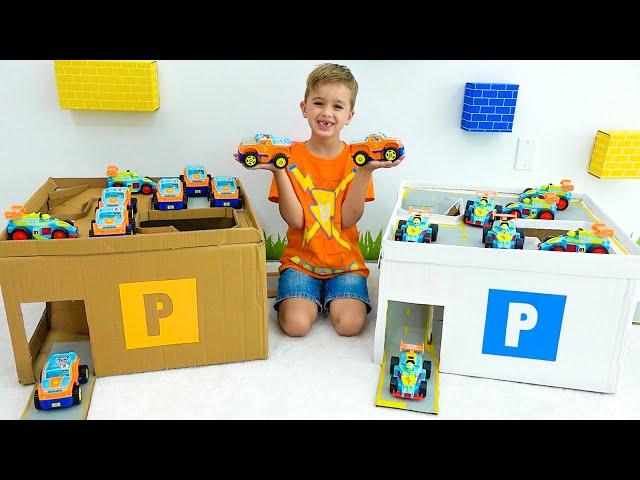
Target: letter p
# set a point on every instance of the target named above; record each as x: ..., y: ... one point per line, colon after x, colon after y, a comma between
x: 516, y: 323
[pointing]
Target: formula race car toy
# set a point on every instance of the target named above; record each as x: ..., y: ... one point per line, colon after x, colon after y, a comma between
x: 37, y: 225
x: 409, y: 372
x: 562, y: 191
x: 375, y: 146
x: 534, y: 207
x: 129, y: 179
x: 264, y: 148
x: 417, y: 228
x: 481, y: 211
x: 60, y: 381
x: 503, y: 233
x: 584, y: 241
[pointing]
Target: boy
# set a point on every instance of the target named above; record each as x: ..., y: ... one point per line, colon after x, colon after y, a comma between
x: 321, y: 196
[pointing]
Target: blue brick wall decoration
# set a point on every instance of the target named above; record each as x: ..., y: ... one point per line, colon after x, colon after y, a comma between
x: 489, y: 107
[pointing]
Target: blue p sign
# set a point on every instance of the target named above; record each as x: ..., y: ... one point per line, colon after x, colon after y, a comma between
x: 523, y: 324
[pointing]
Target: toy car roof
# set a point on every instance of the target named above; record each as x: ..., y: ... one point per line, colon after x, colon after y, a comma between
x: 194, y: 166
x: 15, y: 212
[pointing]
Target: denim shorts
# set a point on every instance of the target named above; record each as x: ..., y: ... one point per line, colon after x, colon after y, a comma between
x: 295, y: 284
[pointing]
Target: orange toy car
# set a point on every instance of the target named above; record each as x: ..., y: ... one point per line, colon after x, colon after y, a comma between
x: 376, y: 146
x: 264, y: 148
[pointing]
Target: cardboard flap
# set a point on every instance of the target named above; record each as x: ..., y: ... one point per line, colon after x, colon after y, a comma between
x: 58, y: 196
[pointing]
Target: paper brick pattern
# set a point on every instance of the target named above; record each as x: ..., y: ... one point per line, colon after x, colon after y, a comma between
x: 489, y: 107
x: 616, y: 154
x: 121, y: 85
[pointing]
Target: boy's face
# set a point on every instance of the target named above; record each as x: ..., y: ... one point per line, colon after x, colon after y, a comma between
x: 327, y: 109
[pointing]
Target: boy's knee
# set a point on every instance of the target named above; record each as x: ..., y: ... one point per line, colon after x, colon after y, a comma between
x: 348, y: 323
x: 294, y: 325
x: 296, y: 316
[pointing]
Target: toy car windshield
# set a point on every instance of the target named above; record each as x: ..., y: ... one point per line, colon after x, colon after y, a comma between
x: 57, y: 373
x: 109, y: 215
x: 193, y: 170
x: 170, y: 183
x: 225, y: 183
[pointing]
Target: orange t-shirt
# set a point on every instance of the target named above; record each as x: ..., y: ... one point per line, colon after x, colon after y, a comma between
x: 322, y: 248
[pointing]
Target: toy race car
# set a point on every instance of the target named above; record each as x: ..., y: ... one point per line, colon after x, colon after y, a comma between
x: 409, y: 372
x: 562, y: 191
x: 197, y: 182
x: 129, y: 179
x: 60, y: 382
x: 375, y: 146
x: 225, y: 192
x: 417, y: 227
x: 264, y: 148
x: 580, y: 240
x: 482, y: 210
x: 503, y: 233
x: 111, y: 221
x: 169, y: 195
x: 37, y: 225
x: 112, y: 196
x: 542, y: 208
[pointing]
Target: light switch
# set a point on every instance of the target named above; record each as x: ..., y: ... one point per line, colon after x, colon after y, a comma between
x: 524, y: 154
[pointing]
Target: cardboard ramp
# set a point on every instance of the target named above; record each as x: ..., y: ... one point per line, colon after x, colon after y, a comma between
x: 409, y: 323
x: 75, y: 412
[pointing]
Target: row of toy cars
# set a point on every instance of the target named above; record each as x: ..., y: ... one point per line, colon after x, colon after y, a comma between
x: 268, y: 148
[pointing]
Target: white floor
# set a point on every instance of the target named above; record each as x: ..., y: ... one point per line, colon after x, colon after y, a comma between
x: 322, y: 376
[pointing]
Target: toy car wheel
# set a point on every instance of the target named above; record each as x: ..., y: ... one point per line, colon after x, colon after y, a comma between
x: 426, y: 364
x: 488, y: 243
x: 485, y: 230
x: 520, y: 243
x: 423, y: 389
x: 69, y: 221
x: 59, y: 233
x: 434, y: 232
x: 546, y: 215
x: 250, y: 159
x: 280, y: 160
x: 401, y: 223
x: 597, y: 249
x: 557, y: 248
x: 498, y: 208
x: 521, y: 232
x: 398, y: 235
x: 83, y: 373
x: 394, y: 361
x: 77, y: 394
x: 240, y: 203
x: 516, y: 213
x: 562, y: 204
x: 20, y: 234
x: 393, y: 385
x: 134, y: 204
x: 390, y: 154
x: 360, y: 158
x: 36, y: 400
x: 185, y: 203
x: 146, y: 189
x: 129, y: 230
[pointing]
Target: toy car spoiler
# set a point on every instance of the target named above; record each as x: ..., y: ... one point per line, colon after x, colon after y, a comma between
x: 15, y: 212
x: 602, y: 230
x: 486, y: 193
x: 420, y: 211
x: 412, y: 347
x: 550, y: 198
x: 566, y: 185
x: 112, y: 170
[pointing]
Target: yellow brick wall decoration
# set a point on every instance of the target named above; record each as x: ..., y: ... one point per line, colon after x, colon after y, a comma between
x: 616, y: 154
x: 116, y: 85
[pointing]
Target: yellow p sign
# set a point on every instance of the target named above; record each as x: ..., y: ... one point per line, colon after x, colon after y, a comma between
x: 159, y: 313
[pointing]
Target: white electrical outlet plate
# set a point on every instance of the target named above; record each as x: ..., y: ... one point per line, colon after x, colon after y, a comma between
x: 525, y: 154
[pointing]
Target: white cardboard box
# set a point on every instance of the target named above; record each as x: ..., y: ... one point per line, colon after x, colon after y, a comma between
x: 548, y: 318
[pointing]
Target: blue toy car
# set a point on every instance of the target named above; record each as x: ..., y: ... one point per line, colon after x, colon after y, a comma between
x: 225, y: 192
x: 534, y: 207
x: 170, y: 195
x: 60, y: 381
x: 409, y: 372
x: 417, y: 228
x: 503, y: 233
x: 37, y: 225
x: 482, y: 210
x: 580, y: 240
x: 562, y: 191
x: 197, y: 182
x: 111, y: 221
x: 112, y: 196
x: 129, y: 179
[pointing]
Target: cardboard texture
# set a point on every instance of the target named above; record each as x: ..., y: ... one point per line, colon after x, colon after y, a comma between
x: 580, y: 306
x: 188, y: 289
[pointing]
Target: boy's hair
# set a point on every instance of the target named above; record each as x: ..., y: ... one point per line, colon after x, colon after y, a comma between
x: 332, y: 73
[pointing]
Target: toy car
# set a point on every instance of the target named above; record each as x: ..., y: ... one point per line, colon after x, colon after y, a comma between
x: 482, y: 210
x: 120, y: 196
x: 197, y: 182
x: 111, y: 221
x: 169, y: 195
x: 264, y: 148
x: 562, y: 191
x: 417, y: 227
x: 375, y: 146
x: 225, y: 192
x: 542, y: 208
x: 409, y: 372
x: 60, y: 381
x: 580, y: 240
x: 37, y: 225
x: 503, y: 233
x: 129, y: 179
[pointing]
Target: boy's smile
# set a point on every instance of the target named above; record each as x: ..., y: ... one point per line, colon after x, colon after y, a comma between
x: 328, y: 109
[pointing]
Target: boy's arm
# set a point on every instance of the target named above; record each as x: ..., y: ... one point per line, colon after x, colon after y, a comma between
x: 288, y: 203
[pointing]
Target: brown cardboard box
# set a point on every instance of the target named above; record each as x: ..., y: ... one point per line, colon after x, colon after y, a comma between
x: 188, y: 289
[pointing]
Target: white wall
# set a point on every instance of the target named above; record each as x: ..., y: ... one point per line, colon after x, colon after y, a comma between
x: 206, y: 107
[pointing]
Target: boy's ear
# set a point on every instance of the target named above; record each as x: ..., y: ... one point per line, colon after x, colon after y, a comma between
x: 303, y: 109
x: 350, y: 117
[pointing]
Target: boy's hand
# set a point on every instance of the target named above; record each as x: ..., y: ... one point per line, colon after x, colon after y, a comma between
x: 372, y: 165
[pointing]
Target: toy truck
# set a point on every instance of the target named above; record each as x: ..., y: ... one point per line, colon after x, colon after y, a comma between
x: 197, y: 182
x: 169, y: 195
x: 375, y: 146
x: 264, y: 148
x: 225, y: 192
x: 60, y: 382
